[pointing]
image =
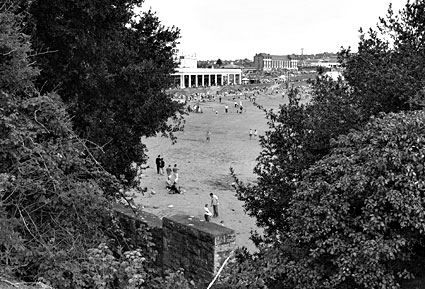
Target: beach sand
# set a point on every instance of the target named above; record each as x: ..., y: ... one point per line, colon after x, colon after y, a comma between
x: 204, y: 167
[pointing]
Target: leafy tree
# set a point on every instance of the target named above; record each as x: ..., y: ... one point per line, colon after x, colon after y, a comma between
x: 45, y: 178
x: 356, y: 219
x: 56, y: 219
x: 247, y: 63
x: 111, y: 68
x: 299, y: 135
x: 357, y: 216
x: 219, y: 62
x: 321, y: 70
x: 385, y: 76
x: 16, y: 75
x: 387, y: 72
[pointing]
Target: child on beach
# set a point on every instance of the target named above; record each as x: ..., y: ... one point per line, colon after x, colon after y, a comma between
x: 207, y: 213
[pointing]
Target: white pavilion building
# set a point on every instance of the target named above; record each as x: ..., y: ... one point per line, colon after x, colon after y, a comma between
x: 188, y: 75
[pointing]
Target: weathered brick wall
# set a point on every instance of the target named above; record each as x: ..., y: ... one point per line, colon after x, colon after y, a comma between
x: 196, y: 246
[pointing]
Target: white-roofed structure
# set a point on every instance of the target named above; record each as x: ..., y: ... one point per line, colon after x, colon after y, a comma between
x: 188, y: 75
x: 195, y: 77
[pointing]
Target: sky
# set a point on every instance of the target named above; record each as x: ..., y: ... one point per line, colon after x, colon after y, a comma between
x: 238, y: 29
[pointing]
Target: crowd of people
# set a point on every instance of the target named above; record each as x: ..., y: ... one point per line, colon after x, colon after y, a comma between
x: 232, y: 101
x: 172, y: 174
x: 234, y: 94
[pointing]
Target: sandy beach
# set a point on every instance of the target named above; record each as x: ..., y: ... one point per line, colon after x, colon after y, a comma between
x: 204, y: 167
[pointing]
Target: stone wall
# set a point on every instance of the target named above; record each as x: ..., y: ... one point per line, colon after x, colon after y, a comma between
x: 198, y: 247
x: 131, y: 221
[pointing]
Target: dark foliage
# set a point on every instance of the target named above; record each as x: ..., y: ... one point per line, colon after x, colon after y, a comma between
x: 56, y: 219
x: 110, y: 66
x: 345, y: 213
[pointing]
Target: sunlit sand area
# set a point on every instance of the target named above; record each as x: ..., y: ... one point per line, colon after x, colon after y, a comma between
x: 204, y: 167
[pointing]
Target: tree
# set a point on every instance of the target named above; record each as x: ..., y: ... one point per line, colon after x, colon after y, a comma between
x: 44, y: 174
x: 386, y: 75
x: 321, y: 70
x: 299, y: 136
x: 56, y: 218
x: 16, y: 74
x: 111, y: 68
x: 219, y: 62
x: 360, y: 209
x: 356, y: 219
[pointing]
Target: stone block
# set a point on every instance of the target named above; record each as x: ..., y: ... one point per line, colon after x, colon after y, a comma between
x: 184, y: 242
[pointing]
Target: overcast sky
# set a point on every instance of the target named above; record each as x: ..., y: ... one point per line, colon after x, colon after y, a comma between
x: 235, y: 29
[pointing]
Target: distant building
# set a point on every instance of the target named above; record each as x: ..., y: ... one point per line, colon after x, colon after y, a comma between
x: 188, y: 75
x: 195, y: 77
x: 188, y: 61
x: 330, y: 63
x: 265, y: 62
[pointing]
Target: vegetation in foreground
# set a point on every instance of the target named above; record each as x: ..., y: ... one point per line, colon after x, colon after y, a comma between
x: 56, y: 219
x: 341, y: 180
x: 340, y: 189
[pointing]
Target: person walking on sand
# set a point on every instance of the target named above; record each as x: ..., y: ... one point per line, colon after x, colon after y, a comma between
x: 250, y: 133
x: 214, y: 204
x: 255, y: 133
x: 207, y: 213
x: 158, y: 165
x: 169, y: 171
x: 208, y: 136
x: 161, y: 165
x: 176, y: 172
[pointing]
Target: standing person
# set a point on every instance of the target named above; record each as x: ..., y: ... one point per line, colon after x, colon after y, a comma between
x: 169, y: 170
x: 208, y: 136
x: 255, y: 133
x: 176, y: 172
x: 161, y: 165
x: 226, y: 108
x: 207, y: 213
x: 250, y: 133
x: 214, y: 204
x: 157, y: 162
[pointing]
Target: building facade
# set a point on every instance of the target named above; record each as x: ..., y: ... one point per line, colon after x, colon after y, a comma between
x: 188, y: 61
x: 189, y: 75
x: 328, y: 63
x: 265, y: 62
x: 196, y: 77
